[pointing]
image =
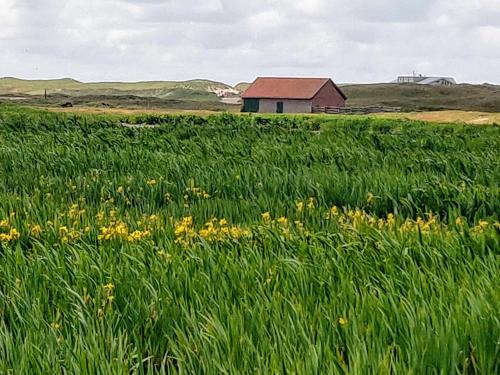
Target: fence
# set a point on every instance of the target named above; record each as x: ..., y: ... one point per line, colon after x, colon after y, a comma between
x: 355, y: 110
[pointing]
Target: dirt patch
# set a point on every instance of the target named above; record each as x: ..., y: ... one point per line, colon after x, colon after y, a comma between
x: 481, y: 121
x: 464, y: 117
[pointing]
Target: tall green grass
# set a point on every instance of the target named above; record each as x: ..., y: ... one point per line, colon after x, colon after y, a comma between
x: 323, y: 292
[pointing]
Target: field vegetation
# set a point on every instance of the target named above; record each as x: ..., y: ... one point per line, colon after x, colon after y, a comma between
x: 227, y: 244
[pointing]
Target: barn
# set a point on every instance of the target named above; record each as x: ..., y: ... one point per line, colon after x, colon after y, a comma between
x: 291, y: 95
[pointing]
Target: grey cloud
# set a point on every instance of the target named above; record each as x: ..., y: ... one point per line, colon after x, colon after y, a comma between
x: 235, y: 40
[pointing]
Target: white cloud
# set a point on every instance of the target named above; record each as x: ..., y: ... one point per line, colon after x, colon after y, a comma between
x: 9, y: 19
x: 234, y: 40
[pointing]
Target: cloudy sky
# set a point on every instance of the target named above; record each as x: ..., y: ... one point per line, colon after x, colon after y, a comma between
x: 236, y: 40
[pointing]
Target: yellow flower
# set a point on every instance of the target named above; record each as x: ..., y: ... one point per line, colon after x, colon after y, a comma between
x: 138, y: 235
x: 483, y: 224
x: 184, y: 227
x: 55, y: 325
x: 4, y: 223
x: 120, y: 189
x: 109, y: 287
x: 458, y: 221
x: 266, y: 216
x: 390, y: 219
x: 11, y: 236
x: 36, y: 230
x: 14, y: 234
x: 188, y: 220
x: 283, y: 220
x: 222, y: 222
x: 151, y: 182
x: 310, y: 204
x: 370, y: 199
x: 300, y: 206
x: 343, y: 321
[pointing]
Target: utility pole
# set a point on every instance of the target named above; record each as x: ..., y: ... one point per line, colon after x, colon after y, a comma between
x: 45, y: 94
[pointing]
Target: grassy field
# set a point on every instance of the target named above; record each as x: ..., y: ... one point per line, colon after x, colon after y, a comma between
x: 187, y: 101
x: 228, y: 244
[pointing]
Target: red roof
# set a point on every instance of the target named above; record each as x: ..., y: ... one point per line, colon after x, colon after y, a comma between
x: 286, y: 88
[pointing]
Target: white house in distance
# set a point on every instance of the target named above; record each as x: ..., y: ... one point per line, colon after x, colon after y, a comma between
x: 423, y: 80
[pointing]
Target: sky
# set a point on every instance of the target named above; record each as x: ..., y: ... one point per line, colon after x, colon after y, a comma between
x: 237, y: 40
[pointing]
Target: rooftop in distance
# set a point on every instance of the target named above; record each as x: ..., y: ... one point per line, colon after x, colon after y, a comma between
x: 286, y: 87
x: 420, y: 79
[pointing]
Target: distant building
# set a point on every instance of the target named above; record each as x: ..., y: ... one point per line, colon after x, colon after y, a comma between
x: 291, y: 95
x: 423, y: 80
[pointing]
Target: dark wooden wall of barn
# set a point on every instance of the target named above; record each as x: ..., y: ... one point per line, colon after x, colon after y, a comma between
x: 328, y: 96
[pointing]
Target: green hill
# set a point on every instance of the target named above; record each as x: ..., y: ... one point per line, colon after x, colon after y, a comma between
x: 409, y: 97
x: 422, y: 97
x: 68, y: 86
x: 9, y: 85
x: 242, y: 86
